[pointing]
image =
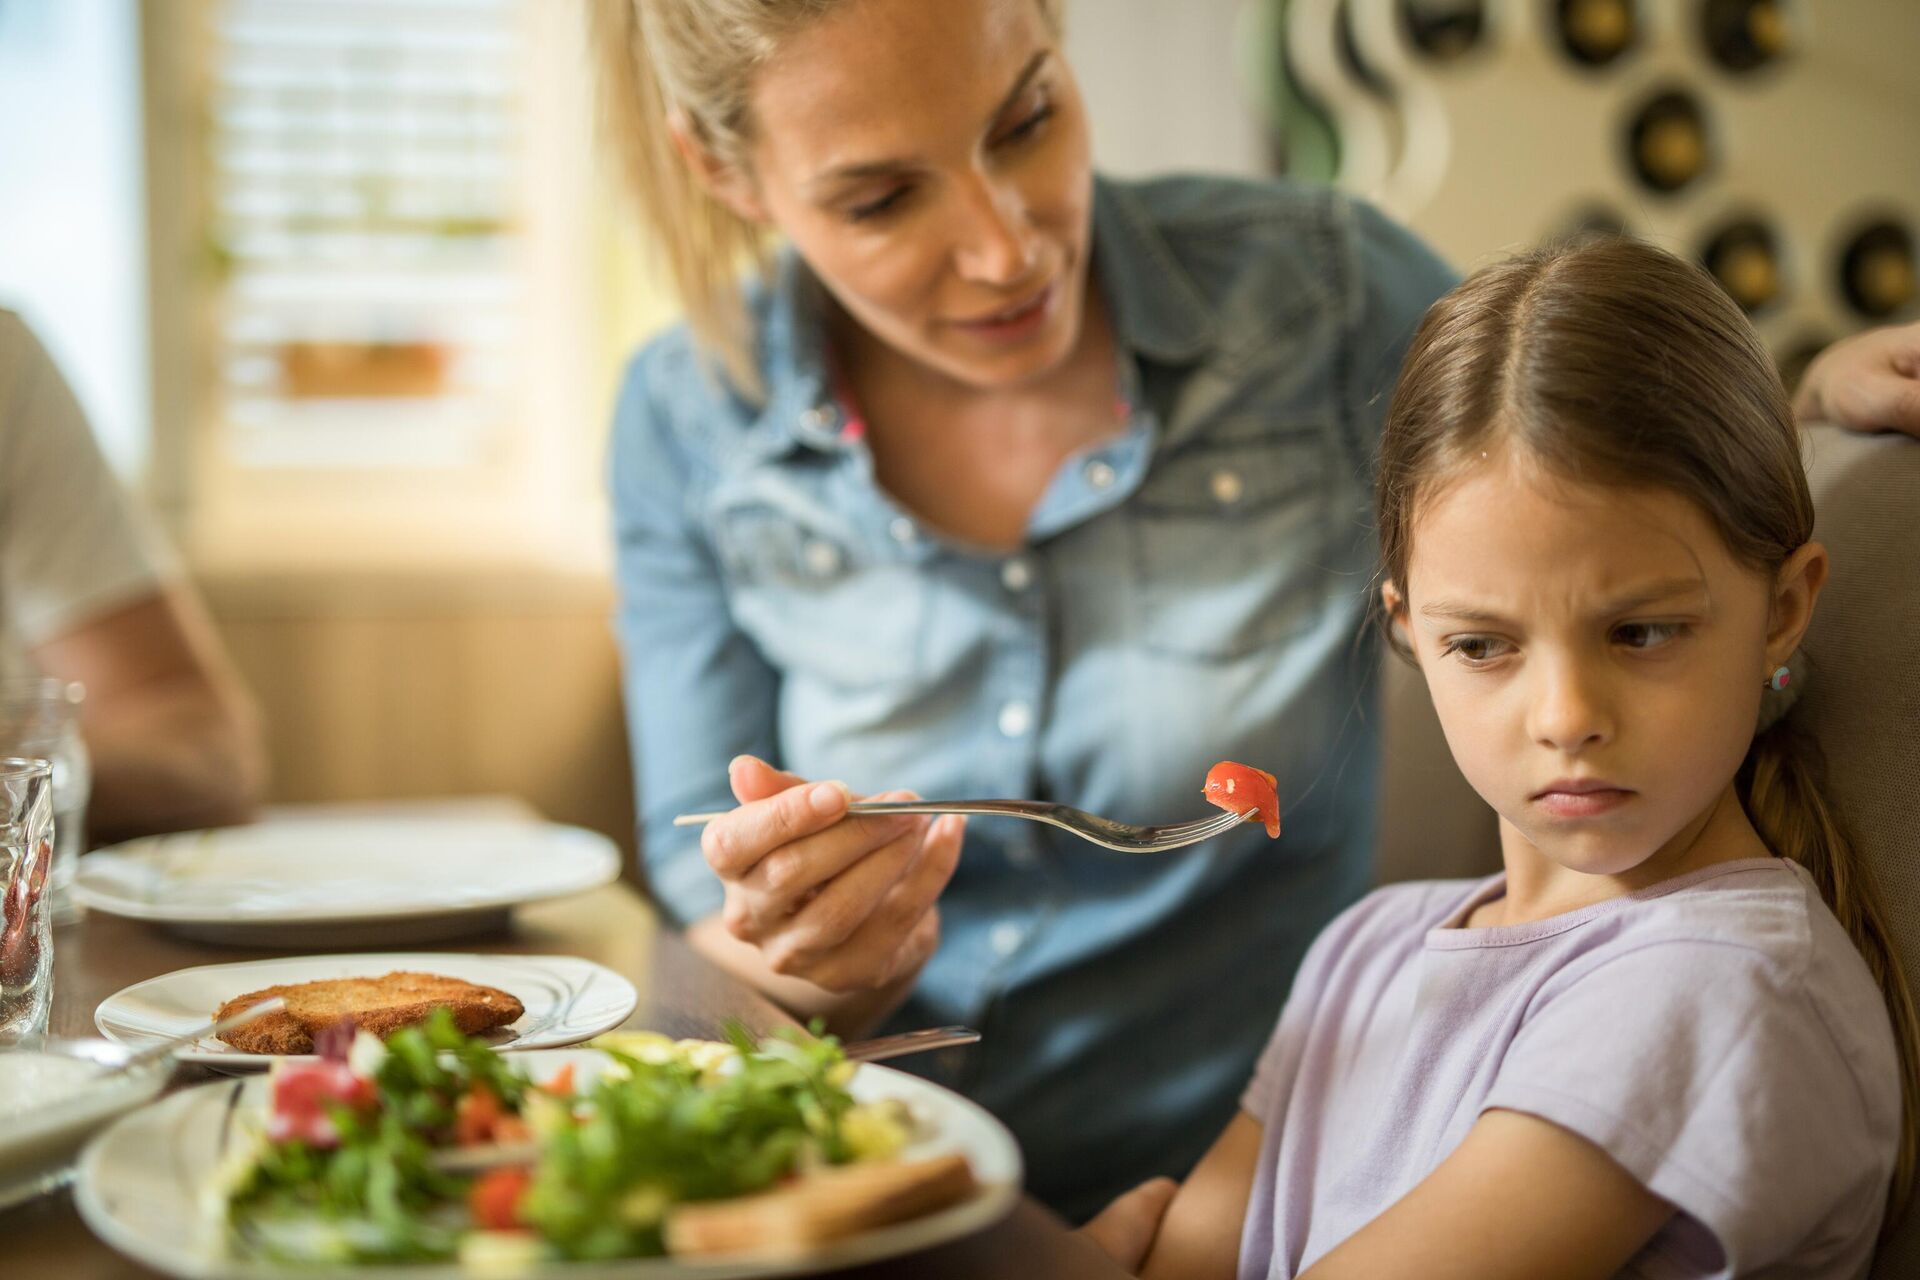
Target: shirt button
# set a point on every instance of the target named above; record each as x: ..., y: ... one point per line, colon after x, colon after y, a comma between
x: 822, y: 557
x: 1101, y: 475
x: 1005, y: 938
x: 1015, y: 719
x: 1227, y: 487
x: 902, y: 530
x: 1015, y: 575
x: 815, y: 418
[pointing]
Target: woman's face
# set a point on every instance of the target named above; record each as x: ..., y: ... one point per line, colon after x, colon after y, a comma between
x: 929, y: 159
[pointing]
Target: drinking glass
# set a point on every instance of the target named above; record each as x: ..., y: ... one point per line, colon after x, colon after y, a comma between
x: 26, y: 921
x: 40, y: 720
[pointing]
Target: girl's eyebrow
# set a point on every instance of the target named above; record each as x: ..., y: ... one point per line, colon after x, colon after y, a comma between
x: 1659, y: 593
x: 884, y: 168
x: 1653, y: 593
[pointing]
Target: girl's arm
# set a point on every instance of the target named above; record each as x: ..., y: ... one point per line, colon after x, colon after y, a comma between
x: 1200, y: 1236
x: 1519, y: 1198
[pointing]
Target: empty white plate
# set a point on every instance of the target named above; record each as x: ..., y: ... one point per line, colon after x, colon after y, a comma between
x: 343, y: 881
x: 567, y: 999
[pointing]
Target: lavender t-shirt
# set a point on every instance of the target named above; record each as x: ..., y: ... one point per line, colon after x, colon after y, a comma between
x: 1717, y: 1035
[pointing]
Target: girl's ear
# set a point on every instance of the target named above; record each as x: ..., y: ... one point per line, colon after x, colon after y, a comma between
x: 725, y: 181
x: 1396, y: 606
x: 1795, y: 589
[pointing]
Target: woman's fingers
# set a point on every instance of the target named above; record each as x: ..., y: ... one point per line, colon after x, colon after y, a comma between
x: 754, y: 779
x: 845, y: 901
x: 734, y: 842
x: 843, y: 904
x: 1884, y: 400
x: 902, y: 930
x: 1869, y: 381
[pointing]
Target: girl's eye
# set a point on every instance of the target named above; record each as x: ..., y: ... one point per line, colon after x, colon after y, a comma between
x: 1473, y: 650
x: 1647, y: 635
x: 1026, y: 126
x: 874, y: 208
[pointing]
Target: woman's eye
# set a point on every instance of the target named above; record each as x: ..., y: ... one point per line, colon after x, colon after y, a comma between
x: 1646, y: 635
x: 874, y: 208
x: 1026, y: 126
x: 1473, y: 649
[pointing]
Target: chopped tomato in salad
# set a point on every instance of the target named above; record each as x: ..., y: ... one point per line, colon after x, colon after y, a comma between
x: 304, y: 1093
x: 494, y: 1198
x: 1238, y: 788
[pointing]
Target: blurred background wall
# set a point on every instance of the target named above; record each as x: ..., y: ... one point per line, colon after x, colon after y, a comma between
x: 345, y: 291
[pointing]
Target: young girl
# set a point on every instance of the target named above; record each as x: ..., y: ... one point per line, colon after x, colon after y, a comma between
x: 1672, y: 1038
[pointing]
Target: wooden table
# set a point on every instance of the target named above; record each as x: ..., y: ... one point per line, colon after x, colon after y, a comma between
x: 680, y: 994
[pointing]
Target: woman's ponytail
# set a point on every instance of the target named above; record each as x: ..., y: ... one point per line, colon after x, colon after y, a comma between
x: 704, y: 243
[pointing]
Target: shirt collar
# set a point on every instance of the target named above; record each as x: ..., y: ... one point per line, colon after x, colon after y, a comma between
x: 1155, y: 307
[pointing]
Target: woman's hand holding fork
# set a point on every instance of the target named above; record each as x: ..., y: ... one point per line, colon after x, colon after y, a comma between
x: 845, y: 904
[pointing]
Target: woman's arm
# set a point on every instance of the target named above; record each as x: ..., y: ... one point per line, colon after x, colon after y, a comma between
x: 1518, y: 1199
x: 827, y: 915
x: 1870, y: 382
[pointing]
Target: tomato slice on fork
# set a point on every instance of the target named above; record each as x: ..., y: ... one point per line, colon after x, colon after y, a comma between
x: 1239, y: 787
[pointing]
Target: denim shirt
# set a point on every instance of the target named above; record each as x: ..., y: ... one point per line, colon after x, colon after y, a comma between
x: 1191, y: 589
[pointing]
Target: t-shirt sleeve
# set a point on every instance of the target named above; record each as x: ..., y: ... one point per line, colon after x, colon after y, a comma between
x: 1704, y: 1071
x: 71, y: 544
x: 697, y: 691
x: 1266, y: 1093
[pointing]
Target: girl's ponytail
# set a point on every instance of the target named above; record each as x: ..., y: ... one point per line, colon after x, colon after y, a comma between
x: 1782, y: 785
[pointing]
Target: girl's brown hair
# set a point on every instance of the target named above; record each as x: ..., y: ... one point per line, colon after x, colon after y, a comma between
x: 1612, y: 362
x: 693, y: 61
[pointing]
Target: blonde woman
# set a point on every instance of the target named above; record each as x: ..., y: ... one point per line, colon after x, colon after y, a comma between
x: 1002, y: 480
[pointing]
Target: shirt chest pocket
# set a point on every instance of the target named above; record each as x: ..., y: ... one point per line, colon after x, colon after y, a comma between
x: 1233, y: 542
x: 818, y: 602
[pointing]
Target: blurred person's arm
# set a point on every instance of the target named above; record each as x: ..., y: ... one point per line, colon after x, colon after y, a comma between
x: 89, y: 592
x: 174, y: 737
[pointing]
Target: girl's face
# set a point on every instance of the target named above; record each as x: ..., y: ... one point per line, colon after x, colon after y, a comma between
x: 930, y: 162
x: 1596, y: 655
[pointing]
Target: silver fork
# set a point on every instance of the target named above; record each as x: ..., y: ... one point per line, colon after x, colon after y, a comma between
x: 1122, y: 836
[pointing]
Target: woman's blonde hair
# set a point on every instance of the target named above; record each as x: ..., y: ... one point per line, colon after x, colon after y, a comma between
x: 692, y: 61
x: 1613, y: 362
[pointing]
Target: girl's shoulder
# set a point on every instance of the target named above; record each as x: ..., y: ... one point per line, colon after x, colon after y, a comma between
x: 1749, y: 947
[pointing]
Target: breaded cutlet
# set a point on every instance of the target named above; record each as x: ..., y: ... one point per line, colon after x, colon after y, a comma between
x: 380, y: 1006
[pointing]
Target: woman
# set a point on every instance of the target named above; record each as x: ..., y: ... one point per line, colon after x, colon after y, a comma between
x: 1007, y: 481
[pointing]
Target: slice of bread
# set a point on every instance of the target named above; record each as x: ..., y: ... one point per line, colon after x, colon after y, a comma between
x: 819, y: 1208
x: 380, y: 1006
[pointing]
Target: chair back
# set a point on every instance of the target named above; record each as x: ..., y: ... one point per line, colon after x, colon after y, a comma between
x: 1862, y: 695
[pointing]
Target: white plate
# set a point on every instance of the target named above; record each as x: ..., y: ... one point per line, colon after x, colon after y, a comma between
x: 37, y: 1147
x: 567, y: 999
x: 139, y: 1187
x: 343, y: 881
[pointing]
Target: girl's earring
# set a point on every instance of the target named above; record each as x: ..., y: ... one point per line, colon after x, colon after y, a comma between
x: 1780, y: 679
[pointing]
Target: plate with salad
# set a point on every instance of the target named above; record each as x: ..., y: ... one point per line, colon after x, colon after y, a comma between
x: 432, y: 1155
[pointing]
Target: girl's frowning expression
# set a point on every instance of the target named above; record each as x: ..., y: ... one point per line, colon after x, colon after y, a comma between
x: 1596, y: 654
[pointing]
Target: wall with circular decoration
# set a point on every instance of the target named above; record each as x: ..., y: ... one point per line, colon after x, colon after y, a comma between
x: 1775, y: 141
